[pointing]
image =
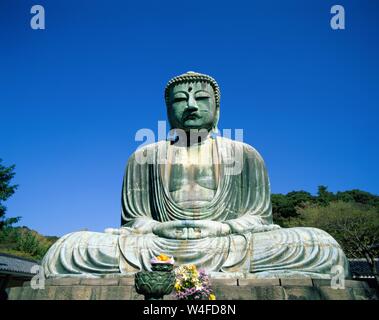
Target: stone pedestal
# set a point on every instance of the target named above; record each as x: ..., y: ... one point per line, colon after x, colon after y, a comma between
x: 122, y: 288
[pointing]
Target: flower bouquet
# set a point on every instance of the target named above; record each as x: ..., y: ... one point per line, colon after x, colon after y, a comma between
x: 192, y: 284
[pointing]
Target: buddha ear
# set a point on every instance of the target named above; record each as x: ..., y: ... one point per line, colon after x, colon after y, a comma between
x: 215, y: 121
x: 170, y: 120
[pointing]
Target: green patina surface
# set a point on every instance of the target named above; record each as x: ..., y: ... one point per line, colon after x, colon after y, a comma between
x: 201, y: 198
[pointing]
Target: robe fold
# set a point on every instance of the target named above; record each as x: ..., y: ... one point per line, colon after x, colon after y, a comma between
x: 242, y: 201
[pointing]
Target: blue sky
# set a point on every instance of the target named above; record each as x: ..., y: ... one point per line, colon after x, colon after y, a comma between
x: 72, y: 96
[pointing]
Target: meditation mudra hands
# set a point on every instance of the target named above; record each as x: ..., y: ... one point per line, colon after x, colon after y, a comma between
x: 180, y: 229
x: 189, y: 229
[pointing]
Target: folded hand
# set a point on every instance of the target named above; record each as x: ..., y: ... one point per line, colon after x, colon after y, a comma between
x: 191, y: 229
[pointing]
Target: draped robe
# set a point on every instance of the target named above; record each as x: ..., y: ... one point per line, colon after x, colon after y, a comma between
x: 242, y: 200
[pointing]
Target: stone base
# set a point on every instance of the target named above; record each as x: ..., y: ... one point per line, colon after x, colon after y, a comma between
x: 122, y: 288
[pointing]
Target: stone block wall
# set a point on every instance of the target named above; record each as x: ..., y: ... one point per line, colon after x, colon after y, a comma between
x: 122, y: 288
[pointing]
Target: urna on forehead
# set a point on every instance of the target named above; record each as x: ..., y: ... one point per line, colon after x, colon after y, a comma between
x: 189, y: 77
x: 192, y: 86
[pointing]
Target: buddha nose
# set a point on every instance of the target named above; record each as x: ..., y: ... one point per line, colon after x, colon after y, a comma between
x: 192, y: 104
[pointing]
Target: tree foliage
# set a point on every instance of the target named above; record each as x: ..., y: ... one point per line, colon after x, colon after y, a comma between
x: 353, y: 225
x: 22, y: 241
x: 19, y: 241
x: 6, y: 191
x: 351, y: 217
x: 284, y: 206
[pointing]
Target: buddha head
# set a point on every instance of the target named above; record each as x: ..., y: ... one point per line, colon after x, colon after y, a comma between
x: 193, y: 102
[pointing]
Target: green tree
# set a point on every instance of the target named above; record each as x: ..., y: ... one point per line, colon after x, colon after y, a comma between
x: 353, y: 225
x: 6, y: 191
x: 32, y: 243
x: 284, y: 207
x: 24, y: 242
x: 324, y: 197
x: 359, y: 196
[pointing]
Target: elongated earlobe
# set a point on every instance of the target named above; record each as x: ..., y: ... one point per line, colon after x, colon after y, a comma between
x: 214, y: 132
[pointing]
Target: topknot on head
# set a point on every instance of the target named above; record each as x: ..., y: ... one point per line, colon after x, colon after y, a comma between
x: 192, y: 76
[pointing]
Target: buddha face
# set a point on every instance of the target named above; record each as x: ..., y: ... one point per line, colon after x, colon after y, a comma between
x: 192, y: 106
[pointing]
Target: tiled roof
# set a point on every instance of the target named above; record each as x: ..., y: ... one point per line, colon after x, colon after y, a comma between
x: 13, y: 264
x: 361, y: 268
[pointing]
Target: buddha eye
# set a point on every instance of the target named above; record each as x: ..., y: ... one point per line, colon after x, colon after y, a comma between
x: 202, y: 95
x: 202, y: 98
x: 179, y: 99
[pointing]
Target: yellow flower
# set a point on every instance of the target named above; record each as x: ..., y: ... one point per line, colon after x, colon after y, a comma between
x: 163, y: 257
x: 177, y: 286
x: 212, y: 297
